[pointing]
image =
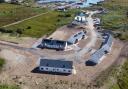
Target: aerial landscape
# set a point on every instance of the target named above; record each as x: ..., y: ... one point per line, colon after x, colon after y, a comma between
x: 63, y: 44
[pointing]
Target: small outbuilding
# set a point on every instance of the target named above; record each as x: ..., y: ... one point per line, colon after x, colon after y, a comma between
x: 81, y: 17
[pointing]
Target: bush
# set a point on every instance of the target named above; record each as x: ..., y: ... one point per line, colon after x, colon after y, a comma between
x: 8, y: 87
x: 2, y: 62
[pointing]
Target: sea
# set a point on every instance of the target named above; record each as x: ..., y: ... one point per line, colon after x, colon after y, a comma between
x: 88, y: 3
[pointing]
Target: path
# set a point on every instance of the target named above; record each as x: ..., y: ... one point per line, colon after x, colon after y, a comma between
x: 77, y: 55
x: 25, y: 19
x: 93, y: 35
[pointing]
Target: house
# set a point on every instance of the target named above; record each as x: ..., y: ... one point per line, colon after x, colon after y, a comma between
x: 7, y: 0
x: 81, y: 17
x: 55, y: 1
x: 107, y: 42
x: 13, y: 1
x: 105, y: 48
x: 53, y: 44
x: 76, y: 37
x: 56, y: 66
x: 96, y: 57
x: 96, y: 21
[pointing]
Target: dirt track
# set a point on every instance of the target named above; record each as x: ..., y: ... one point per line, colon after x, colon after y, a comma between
x: 21, y: 61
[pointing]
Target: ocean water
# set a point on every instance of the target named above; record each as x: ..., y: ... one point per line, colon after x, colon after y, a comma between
x: 87, y: 3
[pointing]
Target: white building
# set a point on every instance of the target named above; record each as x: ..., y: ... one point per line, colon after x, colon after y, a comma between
x: 7, y: 0
x: 13, y: 1
x: 81, y: 18
x: 57, y: 66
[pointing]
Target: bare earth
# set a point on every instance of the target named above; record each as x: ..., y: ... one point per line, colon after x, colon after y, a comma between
x: 22, y: 59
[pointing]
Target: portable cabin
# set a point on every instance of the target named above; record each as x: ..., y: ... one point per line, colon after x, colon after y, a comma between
x: 107, y: 42
x: 53, y: 44
x: 96, y: 57
x: 81, y: 17
x: 76, y: 37
x: 58, y: 66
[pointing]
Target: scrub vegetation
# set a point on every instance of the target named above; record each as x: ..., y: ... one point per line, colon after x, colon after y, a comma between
x: 42, y: 25
x: 2, y: 62
x: 10, y: 13
x: 121, y: 77
x: 4, y: 86
x: 116, y: 20
x: 117, y: 17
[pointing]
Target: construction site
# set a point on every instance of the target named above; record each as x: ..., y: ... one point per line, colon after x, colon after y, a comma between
x: 80, y: 48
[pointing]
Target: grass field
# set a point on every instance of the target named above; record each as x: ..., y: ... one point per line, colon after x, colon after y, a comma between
x: 117, y: 18
x: 8, y: 87
x: 44, y: 24
x: 10, y: 13
x: 2, y: 62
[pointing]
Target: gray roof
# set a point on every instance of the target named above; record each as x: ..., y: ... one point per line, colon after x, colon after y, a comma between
x: 107, y: 39
x: 55, y: 44
x: 56, y: 63
x: 78, y: 35
x: 95, y: 57
x: 106, y: 44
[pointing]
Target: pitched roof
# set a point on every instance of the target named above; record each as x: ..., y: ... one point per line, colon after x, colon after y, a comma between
x: 56, y: 63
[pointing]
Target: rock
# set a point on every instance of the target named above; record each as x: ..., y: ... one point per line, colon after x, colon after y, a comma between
x: 36, y: 83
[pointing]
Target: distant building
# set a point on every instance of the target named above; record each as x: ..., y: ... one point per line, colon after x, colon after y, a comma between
x: 14, y: 1
x: 58, y: 66
x: 81, y: 18
x: 7, y: 0
x: 96, y: 21
x: 53, y: 1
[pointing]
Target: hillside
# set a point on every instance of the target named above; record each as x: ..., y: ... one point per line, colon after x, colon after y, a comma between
x: 117, y: 18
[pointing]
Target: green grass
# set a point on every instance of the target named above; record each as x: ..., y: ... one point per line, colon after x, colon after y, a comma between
x: 115, y: 86
x: 117, y: 18
x: 45, y: 24
x: 2, y: 62
x: 8, y: 87
x: 10, y: 13
x: 122, y: 78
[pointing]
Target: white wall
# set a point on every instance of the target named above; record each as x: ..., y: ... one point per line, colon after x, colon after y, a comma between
x: 80, y: 18
x: 7, y: 0
x: 52, y: 69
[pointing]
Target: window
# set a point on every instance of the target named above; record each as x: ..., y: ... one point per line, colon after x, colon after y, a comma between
x: 47, y: 64
x: 46, y: 68
x: 64, y: 70
x: 75, y: 35
x: 79, y: 33
x: 69, y: 70
x: 57, y: 69
x: 42, y: 68
x: 63, y: 66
